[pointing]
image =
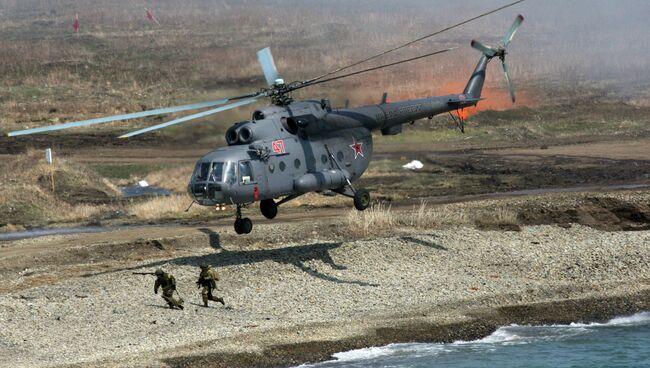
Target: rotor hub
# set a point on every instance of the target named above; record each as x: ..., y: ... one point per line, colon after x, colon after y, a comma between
x: 501, y: 53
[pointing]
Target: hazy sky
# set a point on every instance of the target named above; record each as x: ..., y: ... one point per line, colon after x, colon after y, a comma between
x: 583, y: 39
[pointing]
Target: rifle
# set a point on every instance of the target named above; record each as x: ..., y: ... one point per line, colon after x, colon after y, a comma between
x: 209, y: 283
x: 179, y: 294
x: 143, y: 273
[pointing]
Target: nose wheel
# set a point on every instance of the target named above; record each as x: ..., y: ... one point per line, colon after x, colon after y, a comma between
x: 242, y: 225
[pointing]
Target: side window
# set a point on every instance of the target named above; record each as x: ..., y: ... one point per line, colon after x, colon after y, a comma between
x: 245, y: 172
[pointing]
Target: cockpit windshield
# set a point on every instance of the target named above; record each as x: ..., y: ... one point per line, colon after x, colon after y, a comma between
x: 216, y: 172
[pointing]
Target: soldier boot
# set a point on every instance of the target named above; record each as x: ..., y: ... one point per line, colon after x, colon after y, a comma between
x: 169, y: 298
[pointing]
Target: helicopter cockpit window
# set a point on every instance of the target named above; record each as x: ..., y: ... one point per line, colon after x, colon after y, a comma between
x: 245, y: 172
x: 216, y: 172
x: 201, y: 171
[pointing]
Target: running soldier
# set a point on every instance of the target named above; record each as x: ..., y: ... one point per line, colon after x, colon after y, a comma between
x: 168, y: 284
x: 208, y: 280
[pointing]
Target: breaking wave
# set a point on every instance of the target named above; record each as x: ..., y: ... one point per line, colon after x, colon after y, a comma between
x: 503, y: 336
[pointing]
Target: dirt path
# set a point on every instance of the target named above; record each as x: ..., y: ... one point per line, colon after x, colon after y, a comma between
x: 71, y: 255
x: 638, y: 149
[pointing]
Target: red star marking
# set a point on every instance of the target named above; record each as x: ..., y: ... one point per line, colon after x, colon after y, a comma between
x: 356, y: 147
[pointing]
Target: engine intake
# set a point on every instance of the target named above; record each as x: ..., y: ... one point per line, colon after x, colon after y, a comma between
x: 241, y: 133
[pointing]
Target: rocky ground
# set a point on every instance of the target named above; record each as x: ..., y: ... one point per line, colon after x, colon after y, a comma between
x: 283, y: 295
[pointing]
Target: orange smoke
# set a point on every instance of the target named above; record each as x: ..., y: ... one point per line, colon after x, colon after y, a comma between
x: 494, y: 98
x: 463, y: 114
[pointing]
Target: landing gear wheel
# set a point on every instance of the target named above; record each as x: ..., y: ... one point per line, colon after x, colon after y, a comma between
x: 361, y: 199
x: 238, y: 227
x: 243, y: 226
x: 247, y: 225
x: 269, y: 208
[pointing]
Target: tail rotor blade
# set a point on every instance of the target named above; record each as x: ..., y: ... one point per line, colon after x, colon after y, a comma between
x: 511, y: 89
x: 513, y: 29
x: 488, y: 51
x: 268, y: 66
x: 192, y: 117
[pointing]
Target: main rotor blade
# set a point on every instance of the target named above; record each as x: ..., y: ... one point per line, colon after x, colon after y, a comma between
x: 268, y: 66
x: 414, y: 41
x: 513, y: 29
x: 488, y: 51
x: 135, y: 115
x: 511, y: 88
x: 192, y: 117
x: 371, y: 69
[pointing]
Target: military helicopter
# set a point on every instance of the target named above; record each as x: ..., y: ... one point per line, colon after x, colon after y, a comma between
x: 295, y: 147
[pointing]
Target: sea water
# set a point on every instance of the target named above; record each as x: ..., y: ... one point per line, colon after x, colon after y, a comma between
x: 621, y: 342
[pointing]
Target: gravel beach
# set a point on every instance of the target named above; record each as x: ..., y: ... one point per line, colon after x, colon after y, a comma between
x: 280, y: 299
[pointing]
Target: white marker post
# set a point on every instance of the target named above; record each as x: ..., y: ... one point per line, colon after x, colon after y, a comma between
x: 48, y: 158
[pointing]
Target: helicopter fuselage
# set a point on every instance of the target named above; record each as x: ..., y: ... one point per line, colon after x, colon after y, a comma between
x: 302, y: 147
x: 297, y: 147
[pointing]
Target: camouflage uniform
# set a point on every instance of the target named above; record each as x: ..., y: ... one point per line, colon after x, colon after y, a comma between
x: 168, y: 284
x: 208, y: 280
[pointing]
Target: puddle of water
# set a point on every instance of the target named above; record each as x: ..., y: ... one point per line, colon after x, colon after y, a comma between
x: 138, y: 191
x: 35, y: 233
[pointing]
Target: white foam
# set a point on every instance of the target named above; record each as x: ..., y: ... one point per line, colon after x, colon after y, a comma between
x: 506, y: 335
x: 364, y: 354
x: 515, y: 334
x: 370, y: 353
x: 636, y: 319
x: 389, y: 350
x: 503, y: 334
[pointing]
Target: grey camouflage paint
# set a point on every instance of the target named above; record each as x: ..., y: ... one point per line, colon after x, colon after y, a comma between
x: 289, y: 146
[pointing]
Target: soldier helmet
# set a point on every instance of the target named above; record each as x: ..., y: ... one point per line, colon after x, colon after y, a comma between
x: 204, y: 266
x: 158, y: 271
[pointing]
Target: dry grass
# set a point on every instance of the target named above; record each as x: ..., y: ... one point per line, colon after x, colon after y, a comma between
x: 497, y: 218
x: 426, y: 217
x: 171, y: 207
x: 376, y: 220
x: 83, y: 212
x: 381, y: 219
x: 317, y: 200
x: 119, y: 60
x: 174, y: 179
x: 26, y: 196
x: 10, y: 228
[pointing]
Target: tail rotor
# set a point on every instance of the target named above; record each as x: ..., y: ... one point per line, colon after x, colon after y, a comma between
x: 501, y: 51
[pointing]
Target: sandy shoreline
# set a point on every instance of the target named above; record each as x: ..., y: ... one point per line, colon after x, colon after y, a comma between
x: 481, y: 324
x: 292, y: 300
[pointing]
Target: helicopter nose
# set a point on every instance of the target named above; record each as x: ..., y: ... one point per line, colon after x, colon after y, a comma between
x: 206, y: 193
